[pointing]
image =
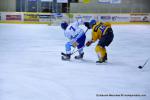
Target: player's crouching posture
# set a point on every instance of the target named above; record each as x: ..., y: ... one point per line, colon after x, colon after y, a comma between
x: 104, y: 33
x: 76, y: 38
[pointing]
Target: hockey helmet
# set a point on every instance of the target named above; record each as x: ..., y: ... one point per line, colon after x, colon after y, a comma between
x: 92, y: 22
x: 64, y: 25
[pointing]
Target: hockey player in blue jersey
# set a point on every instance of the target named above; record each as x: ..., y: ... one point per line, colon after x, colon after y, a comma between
x: 76, y: 37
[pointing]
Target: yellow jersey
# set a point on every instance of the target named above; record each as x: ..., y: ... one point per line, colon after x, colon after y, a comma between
x: 99, y: 29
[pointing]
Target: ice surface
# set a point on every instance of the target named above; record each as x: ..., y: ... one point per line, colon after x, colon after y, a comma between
x: 31, y: 67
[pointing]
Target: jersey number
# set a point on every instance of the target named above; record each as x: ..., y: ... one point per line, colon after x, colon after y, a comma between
x: 101, y: 27
x: 72, y: 28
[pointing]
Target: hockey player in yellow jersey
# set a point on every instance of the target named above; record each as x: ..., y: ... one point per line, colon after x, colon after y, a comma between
x: 104, y: 33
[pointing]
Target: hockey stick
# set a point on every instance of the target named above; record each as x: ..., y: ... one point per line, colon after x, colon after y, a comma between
x: 73, y: 52
x: 86, y: 31
x: 140, y: 67
x: 77, y: 50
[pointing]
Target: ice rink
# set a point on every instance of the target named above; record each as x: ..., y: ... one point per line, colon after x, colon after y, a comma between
x: 31, y: 67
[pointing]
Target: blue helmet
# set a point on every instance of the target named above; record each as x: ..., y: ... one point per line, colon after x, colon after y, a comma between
x: 92, y: 22
x: 64, y: 25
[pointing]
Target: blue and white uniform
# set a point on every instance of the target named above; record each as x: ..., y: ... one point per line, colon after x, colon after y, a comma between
x: 75, y: 35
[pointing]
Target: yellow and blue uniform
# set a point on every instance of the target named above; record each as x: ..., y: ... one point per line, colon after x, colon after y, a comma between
x: 104, y: 33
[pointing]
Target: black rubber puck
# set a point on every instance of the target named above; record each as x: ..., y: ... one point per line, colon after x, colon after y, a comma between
x: 140, y: 67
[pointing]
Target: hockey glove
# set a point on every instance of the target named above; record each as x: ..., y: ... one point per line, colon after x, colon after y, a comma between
x: 88, y: 43
x: 74, y: 44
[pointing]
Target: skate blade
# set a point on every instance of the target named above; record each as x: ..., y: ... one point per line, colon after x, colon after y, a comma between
x: 78, y: 58
x: 62, y: 57
x: 103, y: 63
